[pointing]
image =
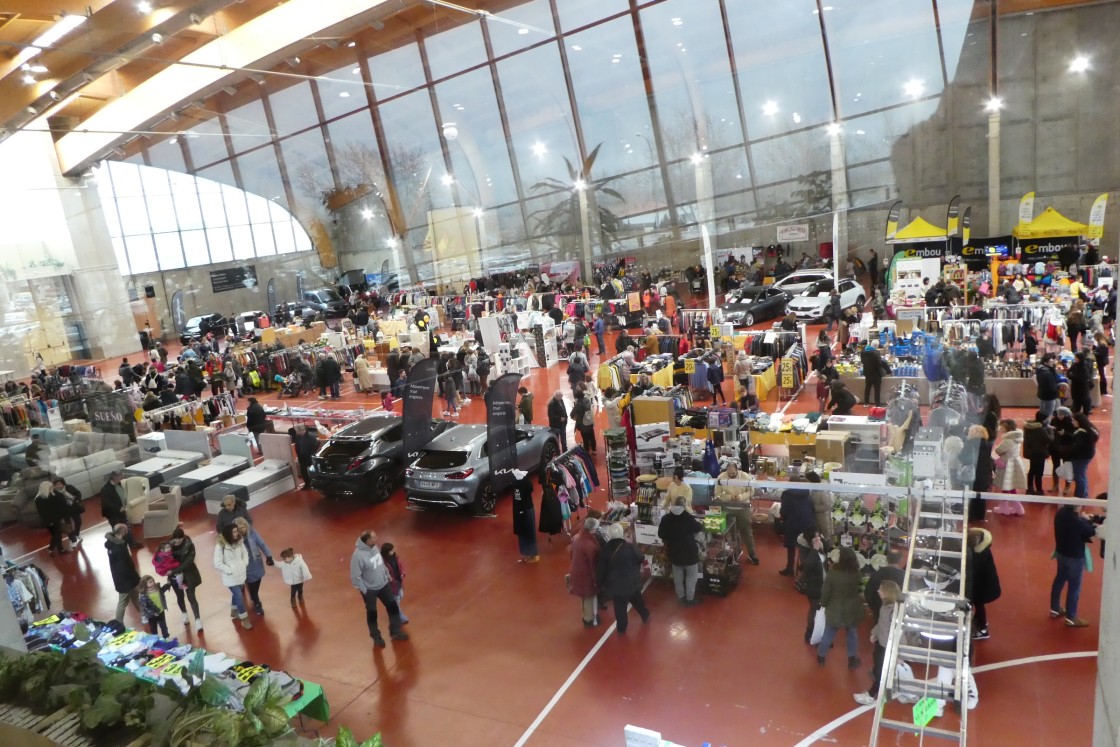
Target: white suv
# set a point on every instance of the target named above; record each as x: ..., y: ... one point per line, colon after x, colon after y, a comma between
x: 812, y: 303
x: 799, y: 280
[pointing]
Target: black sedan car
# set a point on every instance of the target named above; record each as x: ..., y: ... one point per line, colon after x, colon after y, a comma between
x: 755, y: 303
x: 364, y: 459
x: 197, y: 327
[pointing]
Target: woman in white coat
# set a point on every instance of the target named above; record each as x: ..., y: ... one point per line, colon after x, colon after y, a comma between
x: 1011, y: 475
x: 363, y: 381
x: 231, y: 559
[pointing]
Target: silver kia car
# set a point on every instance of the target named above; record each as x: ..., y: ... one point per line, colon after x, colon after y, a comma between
x: 454, y: 469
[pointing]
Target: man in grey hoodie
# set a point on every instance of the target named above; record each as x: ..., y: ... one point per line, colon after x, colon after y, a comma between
x: 370, y: 577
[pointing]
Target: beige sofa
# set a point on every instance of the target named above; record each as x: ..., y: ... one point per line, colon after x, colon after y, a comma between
x: 84, y: 444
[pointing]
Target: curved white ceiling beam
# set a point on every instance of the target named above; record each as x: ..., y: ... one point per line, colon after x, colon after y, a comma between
x: 249, y: 43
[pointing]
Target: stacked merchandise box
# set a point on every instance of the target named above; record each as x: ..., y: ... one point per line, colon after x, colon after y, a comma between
x: 618, y: 464
x: 719, y: 561
x: 649, y: 499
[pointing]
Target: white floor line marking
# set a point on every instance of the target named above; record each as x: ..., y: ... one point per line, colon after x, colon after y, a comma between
x: 572, y: 678
x: 825, y: 730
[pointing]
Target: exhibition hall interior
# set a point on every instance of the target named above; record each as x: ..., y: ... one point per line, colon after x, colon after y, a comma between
x: 723, y: 325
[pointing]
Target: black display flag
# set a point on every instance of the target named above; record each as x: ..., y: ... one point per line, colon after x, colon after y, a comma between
x: 501, y: 429
x: 419, y: 393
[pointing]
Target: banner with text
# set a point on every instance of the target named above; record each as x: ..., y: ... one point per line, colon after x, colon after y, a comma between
x: 233, y: 278
x: 419, y: 393
x: 1096, y: 217
x: 111, y: 412
x: 797, y: 232
x: 980, y: 252
x: 1062, y: 250
x: 501, y: 429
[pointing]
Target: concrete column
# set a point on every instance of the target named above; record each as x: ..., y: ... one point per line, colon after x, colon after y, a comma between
x: 705, y: 215
x: 1106, y: 715
x: 840, y: 202
x: 993, y: 173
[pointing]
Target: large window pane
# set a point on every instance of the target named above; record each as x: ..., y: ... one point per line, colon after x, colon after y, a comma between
x: 220, y: 248
x: 479, y: 158
x: 187, y: 211
x: 519, y: 26
x: 258, y: 208
x: 161, y: 211
x: 898, y: 62
x: 780, y: 59
x: 577, y: 13
x: 872, y: 137
x: 263, y: 241
x: 219, y: 172
x: 242, y: 239
x: 455, y: 50
x: 355, y: 150
x: 791, y: 156
x: 261, y: 175
x: 285, y: 241
x: 540, y: 119
x: 195, y: 249
x: 418, y: 169
x: 141, y: 253
x: 206, y: 143
x: 396, y: 71
x: 342, y: 91
x: 610, y: 95
x: 292, y: 108
x: 212, y: 202
x: 309, y: 171
x: 167, y: 154
x: 126, y: 180
x: 134, y: 215
x: 691, y: 77
x: 237, y: 213
x: 169, y: 251
x: 247, y: 126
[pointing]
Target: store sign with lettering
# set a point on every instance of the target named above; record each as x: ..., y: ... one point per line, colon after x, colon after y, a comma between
x: 797, y: 232
x: 979, y: 253
x: 920, y: 251
x: 1049, y: 250
x: 787, y: 373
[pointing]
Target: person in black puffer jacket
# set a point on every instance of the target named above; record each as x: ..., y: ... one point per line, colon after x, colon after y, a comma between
x: 1080, y: 384
x: 797, y: 516
x: 1047, y: 380
x: 842, y: 400
x: 678, y: 530
x: 618, y: 572
x: 814, y: 562
x: 1082, y: 449
x: 1038, y: 440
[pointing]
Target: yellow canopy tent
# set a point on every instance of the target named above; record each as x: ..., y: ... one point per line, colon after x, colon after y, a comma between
x: 918, y: 230
x: 1050, y: 225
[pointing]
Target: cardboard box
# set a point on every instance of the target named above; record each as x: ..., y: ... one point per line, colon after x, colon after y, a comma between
x: 832, y: 446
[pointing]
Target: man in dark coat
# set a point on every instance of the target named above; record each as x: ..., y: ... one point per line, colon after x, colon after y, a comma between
x: 114, y: 507
x: 1047, y: 380
x: 558, y: 419
x: 307, y: 444
x: 123, y: 569
x: 892, y: 571
x: 1080, y: 384
x: 619, y: 575
x: 678, y: 530
x: 874, y: 367
x: 255, y: 418
x: 797, y: 516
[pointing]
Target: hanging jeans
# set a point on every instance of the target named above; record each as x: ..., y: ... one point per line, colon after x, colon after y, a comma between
x: 1069, y: 572
x: 1081, y: 477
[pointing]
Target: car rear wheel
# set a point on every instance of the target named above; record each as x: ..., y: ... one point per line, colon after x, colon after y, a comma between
x: 381, y: 487
x: 749, y: 319
x: 548, y: 453
x: 485, y: 500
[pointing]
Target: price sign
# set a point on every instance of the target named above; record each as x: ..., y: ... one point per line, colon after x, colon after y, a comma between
x: 46, y: 621
x: 924, y: 711
x: 125, y: 638
x: 689, y: 366
x: 715, y: 332
x: 787, y: 373
x: 161, y: 661
x: 173, y: 669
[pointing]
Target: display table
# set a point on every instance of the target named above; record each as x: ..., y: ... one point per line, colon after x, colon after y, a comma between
x: 1011, y: 392
x: 765, y: 383
x: 312, y: 703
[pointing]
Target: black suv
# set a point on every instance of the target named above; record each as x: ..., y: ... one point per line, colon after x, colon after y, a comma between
x: 197, y: 327
x: 364, y: 459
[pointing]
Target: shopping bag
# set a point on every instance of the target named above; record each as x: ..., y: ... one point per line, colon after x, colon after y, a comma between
x: 1065, y: 471
x: 818, y: 627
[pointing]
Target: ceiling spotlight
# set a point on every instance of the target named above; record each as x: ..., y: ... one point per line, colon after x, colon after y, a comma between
x: 88, y: 77
x: 292, y: 61
x: 144, y: 6
x: 196, y: 19
x: 450, y: 131
x: 157, y: 38
x: 914, y: 88
x: 1079, y: 64
x: 35, y: 68
x: 31, y: 110
x: 523, y: 31
x: 229, y: 90
x: 994, y: 104
x: 796, y: 118
x: 391, y: 242
x: 834, y: 128
x: 332, y: 43
x: 28, y: 79
x: 352, y: 44
x: 696, y: 158
x: 54, y: 96
x: 377, y: 25
x: 356, y: 71
x: 367, y: 213
x: 539, y: 149
x: 770, y: 108
x: 344, y: 94
x: 478, y: 212
x: 447, y: 180
x: 579, y: 185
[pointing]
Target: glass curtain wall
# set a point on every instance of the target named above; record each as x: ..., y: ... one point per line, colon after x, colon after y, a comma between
x: 576, y: 130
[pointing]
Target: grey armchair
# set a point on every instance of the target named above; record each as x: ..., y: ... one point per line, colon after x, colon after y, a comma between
x: 163, y: 515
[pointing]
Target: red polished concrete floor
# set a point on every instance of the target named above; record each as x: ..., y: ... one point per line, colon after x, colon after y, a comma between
x: 493, y: 641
